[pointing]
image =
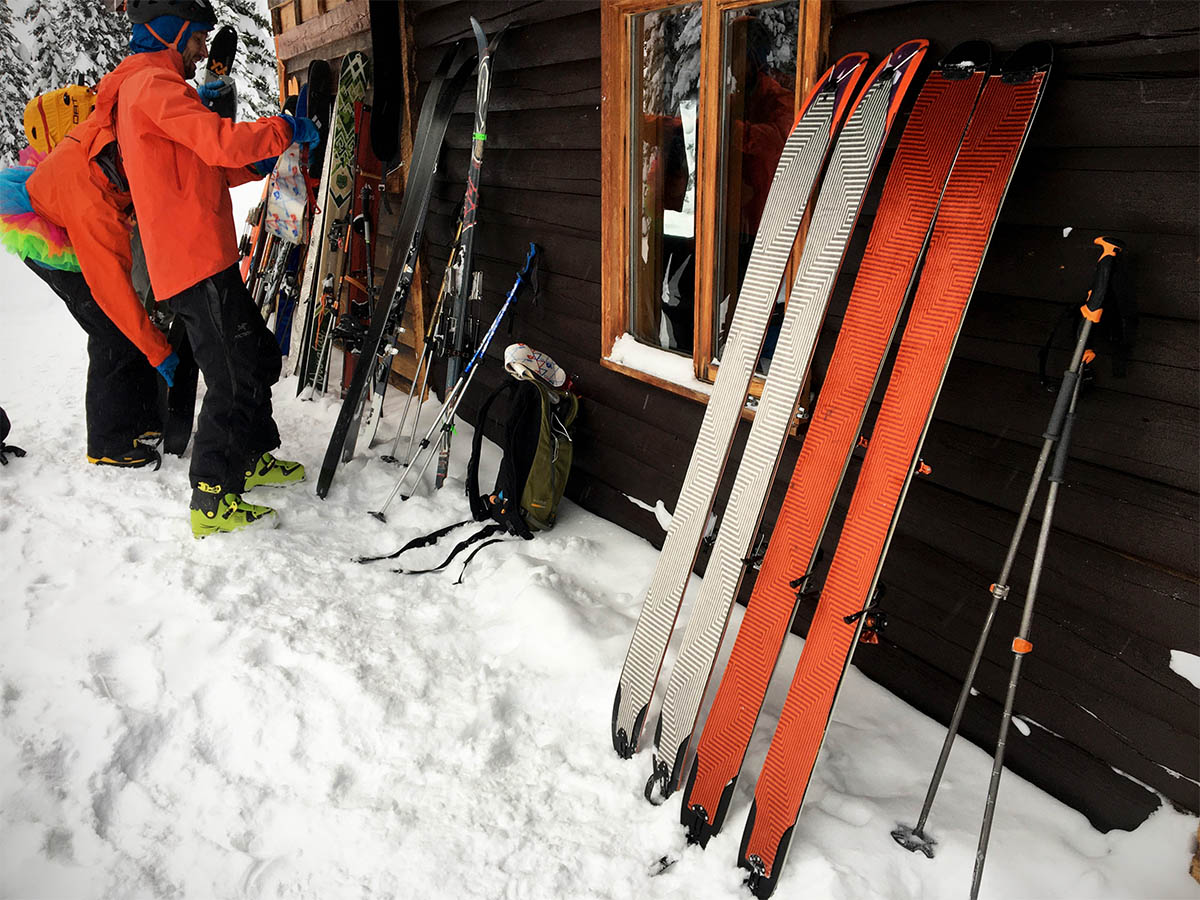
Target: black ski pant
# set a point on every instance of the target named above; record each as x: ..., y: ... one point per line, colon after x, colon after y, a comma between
x: 240, y: 360
x: 122, y: 395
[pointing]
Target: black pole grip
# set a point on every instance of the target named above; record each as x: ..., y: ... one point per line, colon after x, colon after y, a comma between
x: 1062, y: 451
x: 1110, y: 250
x: 1061, y: 404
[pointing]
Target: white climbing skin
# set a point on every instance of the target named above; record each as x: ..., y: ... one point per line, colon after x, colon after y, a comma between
x: 799, y: 165
x: 834, y: 215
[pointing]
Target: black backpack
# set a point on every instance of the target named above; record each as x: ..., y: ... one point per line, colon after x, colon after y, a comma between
x: 5, y: 449
x: 538, y: 451
x: 537, y: 455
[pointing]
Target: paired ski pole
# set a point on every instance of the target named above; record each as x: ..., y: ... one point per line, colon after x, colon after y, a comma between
x: 1057, y: 432
x: 445, y: 417
x: 431, y: 348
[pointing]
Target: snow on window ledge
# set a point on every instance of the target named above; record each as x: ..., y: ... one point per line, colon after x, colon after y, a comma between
x: 663, y: 364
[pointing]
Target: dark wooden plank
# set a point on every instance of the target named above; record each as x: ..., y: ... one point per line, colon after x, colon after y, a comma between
x: 451, y: 21
x: 1159, y: 523
x: 1011, y: 331
x: 1157, y: 440
x: 1073, y: 25
x: 570, y: 213
x: 555, y: 171
x: 341, y: 22
x: 567, y: 84
x: 569, y: 128
x: 578, y: 257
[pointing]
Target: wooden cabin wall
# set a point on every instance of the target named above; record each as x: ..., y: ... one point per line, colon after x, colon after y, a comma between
x: 1114, y: 151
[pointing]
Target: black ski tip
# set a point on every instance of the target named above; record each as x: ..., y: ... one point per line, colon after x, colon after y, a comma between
x: 1027, y: 61
x: 323, y: 482
x: 760, y: 883
x: 966, y: 59
x: 658, y: 785
x: 912, y: 840
x: 624, y: 743
x: 693, y: 816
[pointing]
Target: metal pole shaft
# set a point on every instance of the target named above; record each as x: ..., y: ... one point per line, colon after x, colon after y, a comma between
x: 1021, y: 645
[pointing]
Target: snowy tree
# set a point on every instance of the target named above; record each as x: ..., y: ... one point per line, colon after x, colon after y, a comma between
x: 14, y: 70
x: 73, y: 42
x: 79, y: 41
x: 254, y: 69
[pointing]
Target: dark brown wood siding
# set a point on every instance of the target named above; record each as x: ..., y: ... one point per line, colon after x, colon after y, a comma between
x: 1114, y: 151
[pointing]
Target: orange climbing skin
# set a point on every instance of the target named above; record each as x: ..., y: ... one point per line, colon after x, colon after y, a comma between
x: 181, y: 159
x: 906, y: 208
x: 69, y: 189
x: 956, y: 249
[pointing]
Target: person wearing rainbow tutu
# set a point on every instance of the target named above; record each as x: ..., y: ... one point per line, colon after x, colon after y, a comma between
x: 68, y: 214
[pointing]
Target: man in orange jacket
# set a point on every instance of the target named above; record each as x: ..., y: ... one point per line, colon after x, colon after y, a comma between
x: 181, y: 159
x: 80, y: 187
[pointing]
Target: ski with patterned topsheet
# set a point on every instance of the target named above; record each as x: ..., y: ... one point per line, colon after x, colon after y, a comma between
x: 903, y: 220
x: 835, y: 211
x: 796, y: 173
x: 961, y: 233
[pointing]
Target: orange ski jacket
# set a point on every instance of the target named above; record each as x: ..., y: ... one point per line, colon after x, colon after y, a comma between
x: 70, y: 189
x: 181, y: 158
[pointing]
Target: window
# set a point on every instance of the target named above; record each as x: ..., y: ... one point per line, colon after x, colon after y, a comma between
x: 699, y: 98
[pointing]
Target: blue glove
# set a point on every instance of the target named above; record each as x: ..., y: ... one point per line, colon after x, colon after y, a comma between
x: 213, y: 91
x: 303, y: 130
x: 264, y: 167
x: 167, y: 368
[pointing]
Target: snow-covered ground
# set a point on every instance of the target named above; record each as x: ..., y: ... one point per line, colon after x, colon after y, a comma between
x: 258, y: 716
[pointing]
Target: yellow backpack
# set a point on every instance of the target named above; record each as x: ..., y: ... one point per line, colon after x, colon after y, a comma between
x: 49, y: 117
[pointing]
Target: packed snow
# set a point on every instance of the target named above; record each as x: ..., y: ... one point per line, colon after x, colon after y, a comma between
x: 1186, y: 665
x: 258, y: 716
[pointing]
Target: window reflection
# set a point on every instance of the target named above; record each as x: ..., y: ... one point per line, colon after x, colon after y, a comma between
x: 758, y: 109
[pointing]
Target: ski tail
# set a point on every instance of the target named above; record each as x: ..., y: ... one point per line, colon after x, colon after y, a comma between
x: 904, y: 217
x: 799, y: 167
x: 851, y: 167
x: 965, y: 221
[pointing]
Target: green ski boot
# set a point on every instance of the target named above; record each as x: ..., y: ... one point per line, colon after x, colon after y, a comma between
x: 267, y: 470
x: 214, y: 510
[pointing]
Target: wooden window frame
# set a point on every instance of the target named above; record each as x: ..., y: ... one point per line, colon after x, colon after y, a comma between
x: 615, y: 153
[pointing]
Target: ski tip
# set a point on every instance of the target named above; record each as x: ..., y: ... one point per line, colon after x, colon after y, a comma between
x: 1026, y: 62
x: 965, y: 60
x: 481, y: 42
x: 834, y: 81
x: 625, y: 742
x: 901, y: 67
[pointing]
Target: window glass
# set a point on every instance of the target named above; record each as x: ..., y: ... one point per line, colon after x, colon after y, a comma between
x: 757, y: 112
x: 665, y: 84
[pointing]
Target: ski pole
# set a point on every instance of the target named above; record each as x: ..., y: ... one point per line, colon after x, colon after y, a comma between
x: 1021, y: 645
x: 913, y: 837
x: 429, y: 350
x: 446, y: 414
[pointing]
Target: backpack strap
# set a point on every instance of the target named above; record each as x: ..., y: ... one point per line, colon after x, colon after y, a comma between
x: 485, y: 532
x: 479, y: 506
x: 488, y: 543
x: 506, y: 510
x: 425, y: 540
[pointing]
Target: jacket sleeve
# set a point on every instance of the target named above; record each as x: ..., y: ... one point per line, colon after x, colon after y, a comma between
x: 173, y: 109
x: 101, y: 242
